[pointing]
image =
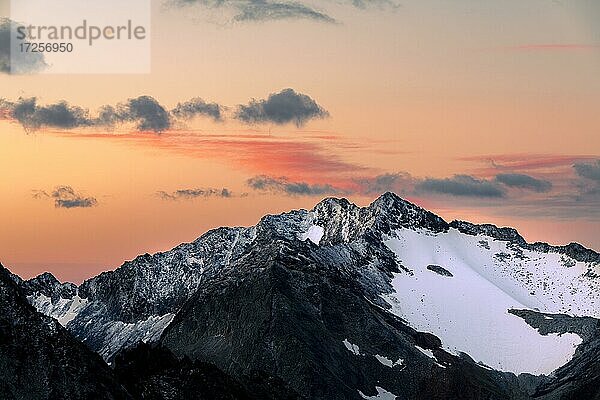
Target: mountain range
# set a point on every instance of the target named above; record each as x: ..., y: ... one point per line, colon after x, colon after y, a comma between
x: 338, y: 302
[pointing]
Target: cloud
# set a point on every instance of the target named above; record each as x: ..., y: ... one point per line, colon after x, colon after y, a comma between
x: 261, y: 10
x: 189, y: 194
x: 20, y: 62
x: 281, y: 108
x: 589, y: 171
x: 149, y: 115
x: 273, y: 10
x: 198, y: 107
x: 364, y: 4
x: 283, y: 185
x: 399, y: 182
x: 146, y: 112
x: 554, y: 47
x: 522, y: 181
x: 520, y: 163
x: 462, y: 185
x: 59, y: 115
x: 589, y: 182
x: 66, y: 197
x: 402, y: 183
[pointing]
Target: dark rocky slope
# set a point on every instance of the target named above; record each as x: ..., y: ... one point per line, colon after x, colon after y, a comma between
x: 39, y: 359
x: 155, y: 373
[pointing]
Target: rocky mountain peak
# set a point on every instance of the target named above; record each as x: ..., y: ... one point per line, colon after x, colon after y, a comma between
x: 344, y: 221
x: 573, y: 250
x: 500, y: 233
x: 49, y: 286
x: 393, y: 212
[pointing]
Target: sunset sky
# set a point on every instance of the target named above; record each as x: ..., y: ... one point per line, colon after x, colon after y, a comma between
x: 479, y: 110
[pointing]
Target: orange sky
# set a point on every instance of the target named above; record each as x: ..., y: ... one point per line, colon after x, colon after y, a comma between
x: 429, y: 90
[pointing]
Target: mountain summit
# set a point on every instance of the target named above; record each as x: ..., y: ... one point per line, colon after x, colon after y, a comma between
x: 344, y: 302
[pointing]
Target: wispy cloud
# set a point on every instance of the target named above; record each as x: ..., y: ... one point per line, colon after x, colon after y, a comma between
x: 554, y: 47
x: 66, y: 197
x: 293, y: 188
x: 492, y: 164
x: 190, y: 194
x: 295, y: 158
x: 398, y: 182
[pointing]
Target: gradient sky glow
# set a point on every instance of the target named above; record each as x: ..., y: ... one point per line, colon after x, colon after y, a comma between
x: 416, y: 95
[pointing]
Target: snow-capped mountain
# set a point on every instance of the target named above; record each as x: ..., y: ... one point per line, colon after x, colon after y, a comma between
x: 349, y: 302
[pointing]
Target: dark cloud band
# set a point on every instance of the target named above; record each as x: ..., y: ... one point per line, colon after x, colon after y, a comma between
x: 588, y: 170
x: 462, y: 185
x: 522, y: 181
x: 148, y: 115
x: 283, y: 185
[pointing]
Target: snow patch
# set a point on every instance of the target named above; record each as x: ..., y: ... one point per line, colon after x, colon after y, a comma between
x: 382, y: 394
x: 427, y: 352
x: 387, y: 362
x: 63, y: 310
x: 469, y: 312
x: 430, y: 354
x: 352, y: 347
x: 118, y: 335
x: 314, y: 234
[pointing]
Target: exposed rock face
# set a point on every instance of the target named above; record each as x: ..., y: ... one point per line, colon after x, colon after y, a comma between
x: 439, y: 270
x: 328, y: 304
x: 47, y: 285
